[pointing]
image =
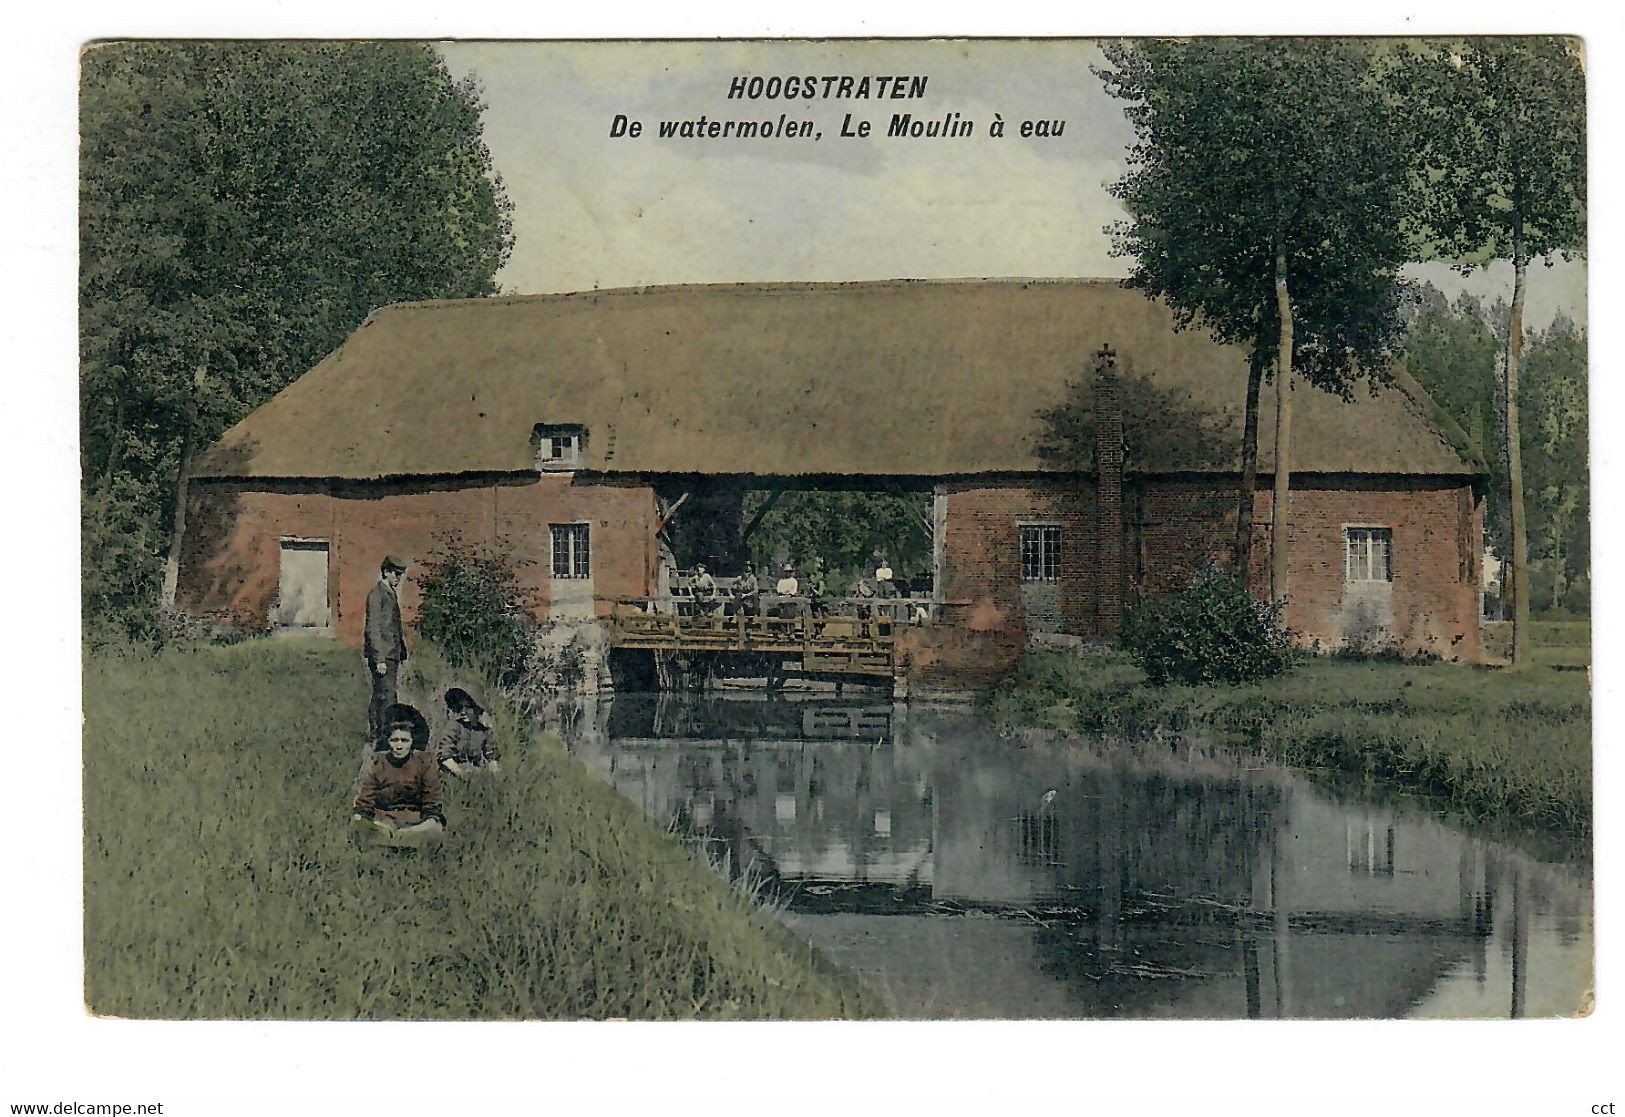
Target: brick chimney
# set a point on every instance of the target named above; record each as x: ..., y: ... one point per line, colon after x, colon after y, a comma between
x: 1108, y: 403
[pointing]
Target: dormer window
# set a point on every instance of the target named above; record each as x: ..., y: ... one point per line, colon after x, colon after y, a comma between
x: 558, y: 446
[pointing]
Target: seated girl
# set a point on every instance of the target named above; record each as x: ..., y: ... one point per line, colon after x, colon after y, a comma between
x: 398, y: 796
x: 466, y: 745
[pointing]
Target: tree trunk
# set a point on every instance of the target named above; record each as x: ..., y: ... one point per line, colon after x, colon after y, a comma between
x: 177, y: 531
x: 114, y: 444
x: 1516, y: 577
x: 1560, y: 572
x: 1283, y: 432
x: 1249, y: 470
x: 172, y: 563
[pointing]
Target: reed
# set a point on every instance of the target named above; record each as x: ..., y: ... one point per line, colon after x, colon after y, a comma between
x: 1496, y: 746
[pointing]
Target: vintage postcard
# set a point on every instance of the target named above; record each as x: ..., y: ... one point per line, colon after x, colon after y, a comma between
x: 973, y: 529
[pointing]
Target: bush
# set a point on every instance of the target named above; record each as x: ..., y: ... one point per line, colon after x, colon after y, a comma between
x: 557, y: 664
x: 120, y: 572
x: 1212, y: 632
x: 1377, y: 645
x: 475, y: 611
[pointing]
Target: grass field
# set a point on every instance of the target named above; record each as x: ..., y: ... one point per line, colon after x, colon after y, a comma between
x: 1565, y: 645
x: 1560, y: 634
x: 220, y: 883
x: 1497, y: 746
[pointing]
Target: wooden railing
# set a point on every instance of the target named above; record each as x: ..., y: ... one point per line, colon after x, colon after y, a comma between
x: 825, y: 639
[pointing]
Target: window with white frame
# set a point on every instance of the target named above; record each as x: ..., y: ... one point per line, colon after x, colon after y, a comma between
x: 572, y: 557
x: 1040, y: 552
x: 1369, y: 554
x: 1040, y: 838
x: 558, y: 446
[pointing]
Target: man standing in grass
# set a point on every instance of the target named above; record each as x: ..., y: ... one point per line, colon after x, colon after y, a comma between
x: 384, y: 645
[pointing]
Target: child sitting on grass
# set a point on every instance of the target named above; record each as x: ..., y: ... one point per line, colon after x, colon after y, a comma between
x: 398, y: 797
x: 466, y: 745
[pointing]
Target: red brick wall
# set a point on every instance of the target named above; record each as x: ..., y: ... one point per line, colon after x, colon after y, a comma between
x: 953, y: 657
x: 231, y: 551
x: 981, y: 576
x: 1175, y: 526
x: 1432, y: 604
x: 230, y: 556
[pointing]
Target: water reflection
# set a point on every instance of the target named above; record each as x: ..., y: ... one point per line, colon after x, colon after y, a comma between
x: 965, y: 875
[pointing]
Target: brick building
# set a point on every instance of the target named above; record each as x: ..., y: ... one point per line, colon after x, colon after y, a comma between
x: 548, y: 425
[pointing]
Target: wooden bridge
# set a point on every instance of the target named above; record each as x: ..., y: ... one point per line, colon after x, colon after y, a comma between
x: 838, y: 638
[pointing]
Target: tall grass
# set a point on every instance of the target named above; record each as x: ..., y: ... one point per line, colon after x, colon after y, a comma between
x: 220, y: 883
x: 1565, y: 645
x: 1505, y: 746
x: 1560, y: 634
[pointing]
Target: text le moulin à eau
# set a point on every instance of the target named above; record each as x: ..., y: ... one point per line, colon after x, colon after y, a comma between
x: 899, y: 123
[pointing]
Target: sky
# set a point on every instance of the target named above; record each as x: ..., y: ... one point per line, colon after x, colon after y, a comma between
x: 595, y: 211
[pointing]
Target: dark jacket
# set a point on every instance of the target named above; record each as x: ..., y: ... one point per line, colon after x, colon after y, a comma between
x: 384, y: 642
x: 412, y: 784
x: 466, y: 744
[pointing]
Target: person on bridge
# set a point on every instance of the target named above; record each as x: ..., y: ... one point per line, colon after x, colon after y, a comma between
x: 748, y: 593
x: 787, y: 585
x: 814, y: 586
x: 885, y: 579
x: 862, y: 592
x: 703, y: 588
x: 383, y: 643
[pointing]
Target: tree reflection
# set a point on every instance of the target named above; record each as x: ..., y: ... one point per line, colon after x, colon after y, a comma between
x: 1136, y: 878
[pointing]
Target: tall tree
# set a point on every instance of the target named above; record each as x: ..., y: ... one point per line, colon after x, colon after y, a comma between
x: 1265, y: 194
x: 1500, y: 131
x: 243, y: 206
x: 1554, y: 412
x: 1452, y: 351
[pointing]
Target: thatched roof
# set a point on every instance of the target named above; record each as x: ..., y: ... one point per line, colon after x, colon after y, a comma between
x: 919, y: 378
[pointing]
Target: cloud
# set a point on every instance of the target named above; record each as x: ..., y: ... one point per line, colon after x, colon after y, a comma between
x: 595, y: 211
x: 592, y: 211
x: 1551, y: 287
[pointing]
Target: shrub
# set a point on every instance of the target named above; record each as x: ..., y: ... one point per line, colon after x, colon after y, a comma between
x: 1212, y: 632
x: 475, y: 610
x: 1384, y: 648
x: 119, y: 572
x: 152, y: 628
x: 561, y: 655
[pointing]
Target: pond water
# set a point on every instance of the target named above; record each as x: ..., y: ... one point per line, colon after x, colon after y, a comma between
x: 961, y: 874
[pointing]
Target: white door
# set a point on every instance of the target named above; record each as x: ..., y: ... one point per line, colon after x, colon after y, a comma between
x: 302, y: 590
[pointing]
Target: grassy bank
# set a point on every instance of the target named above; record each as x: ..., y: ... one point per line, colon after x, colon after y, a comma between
x: 1497, y: 746
x: 219, y: 880
x: 1561, y: 644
